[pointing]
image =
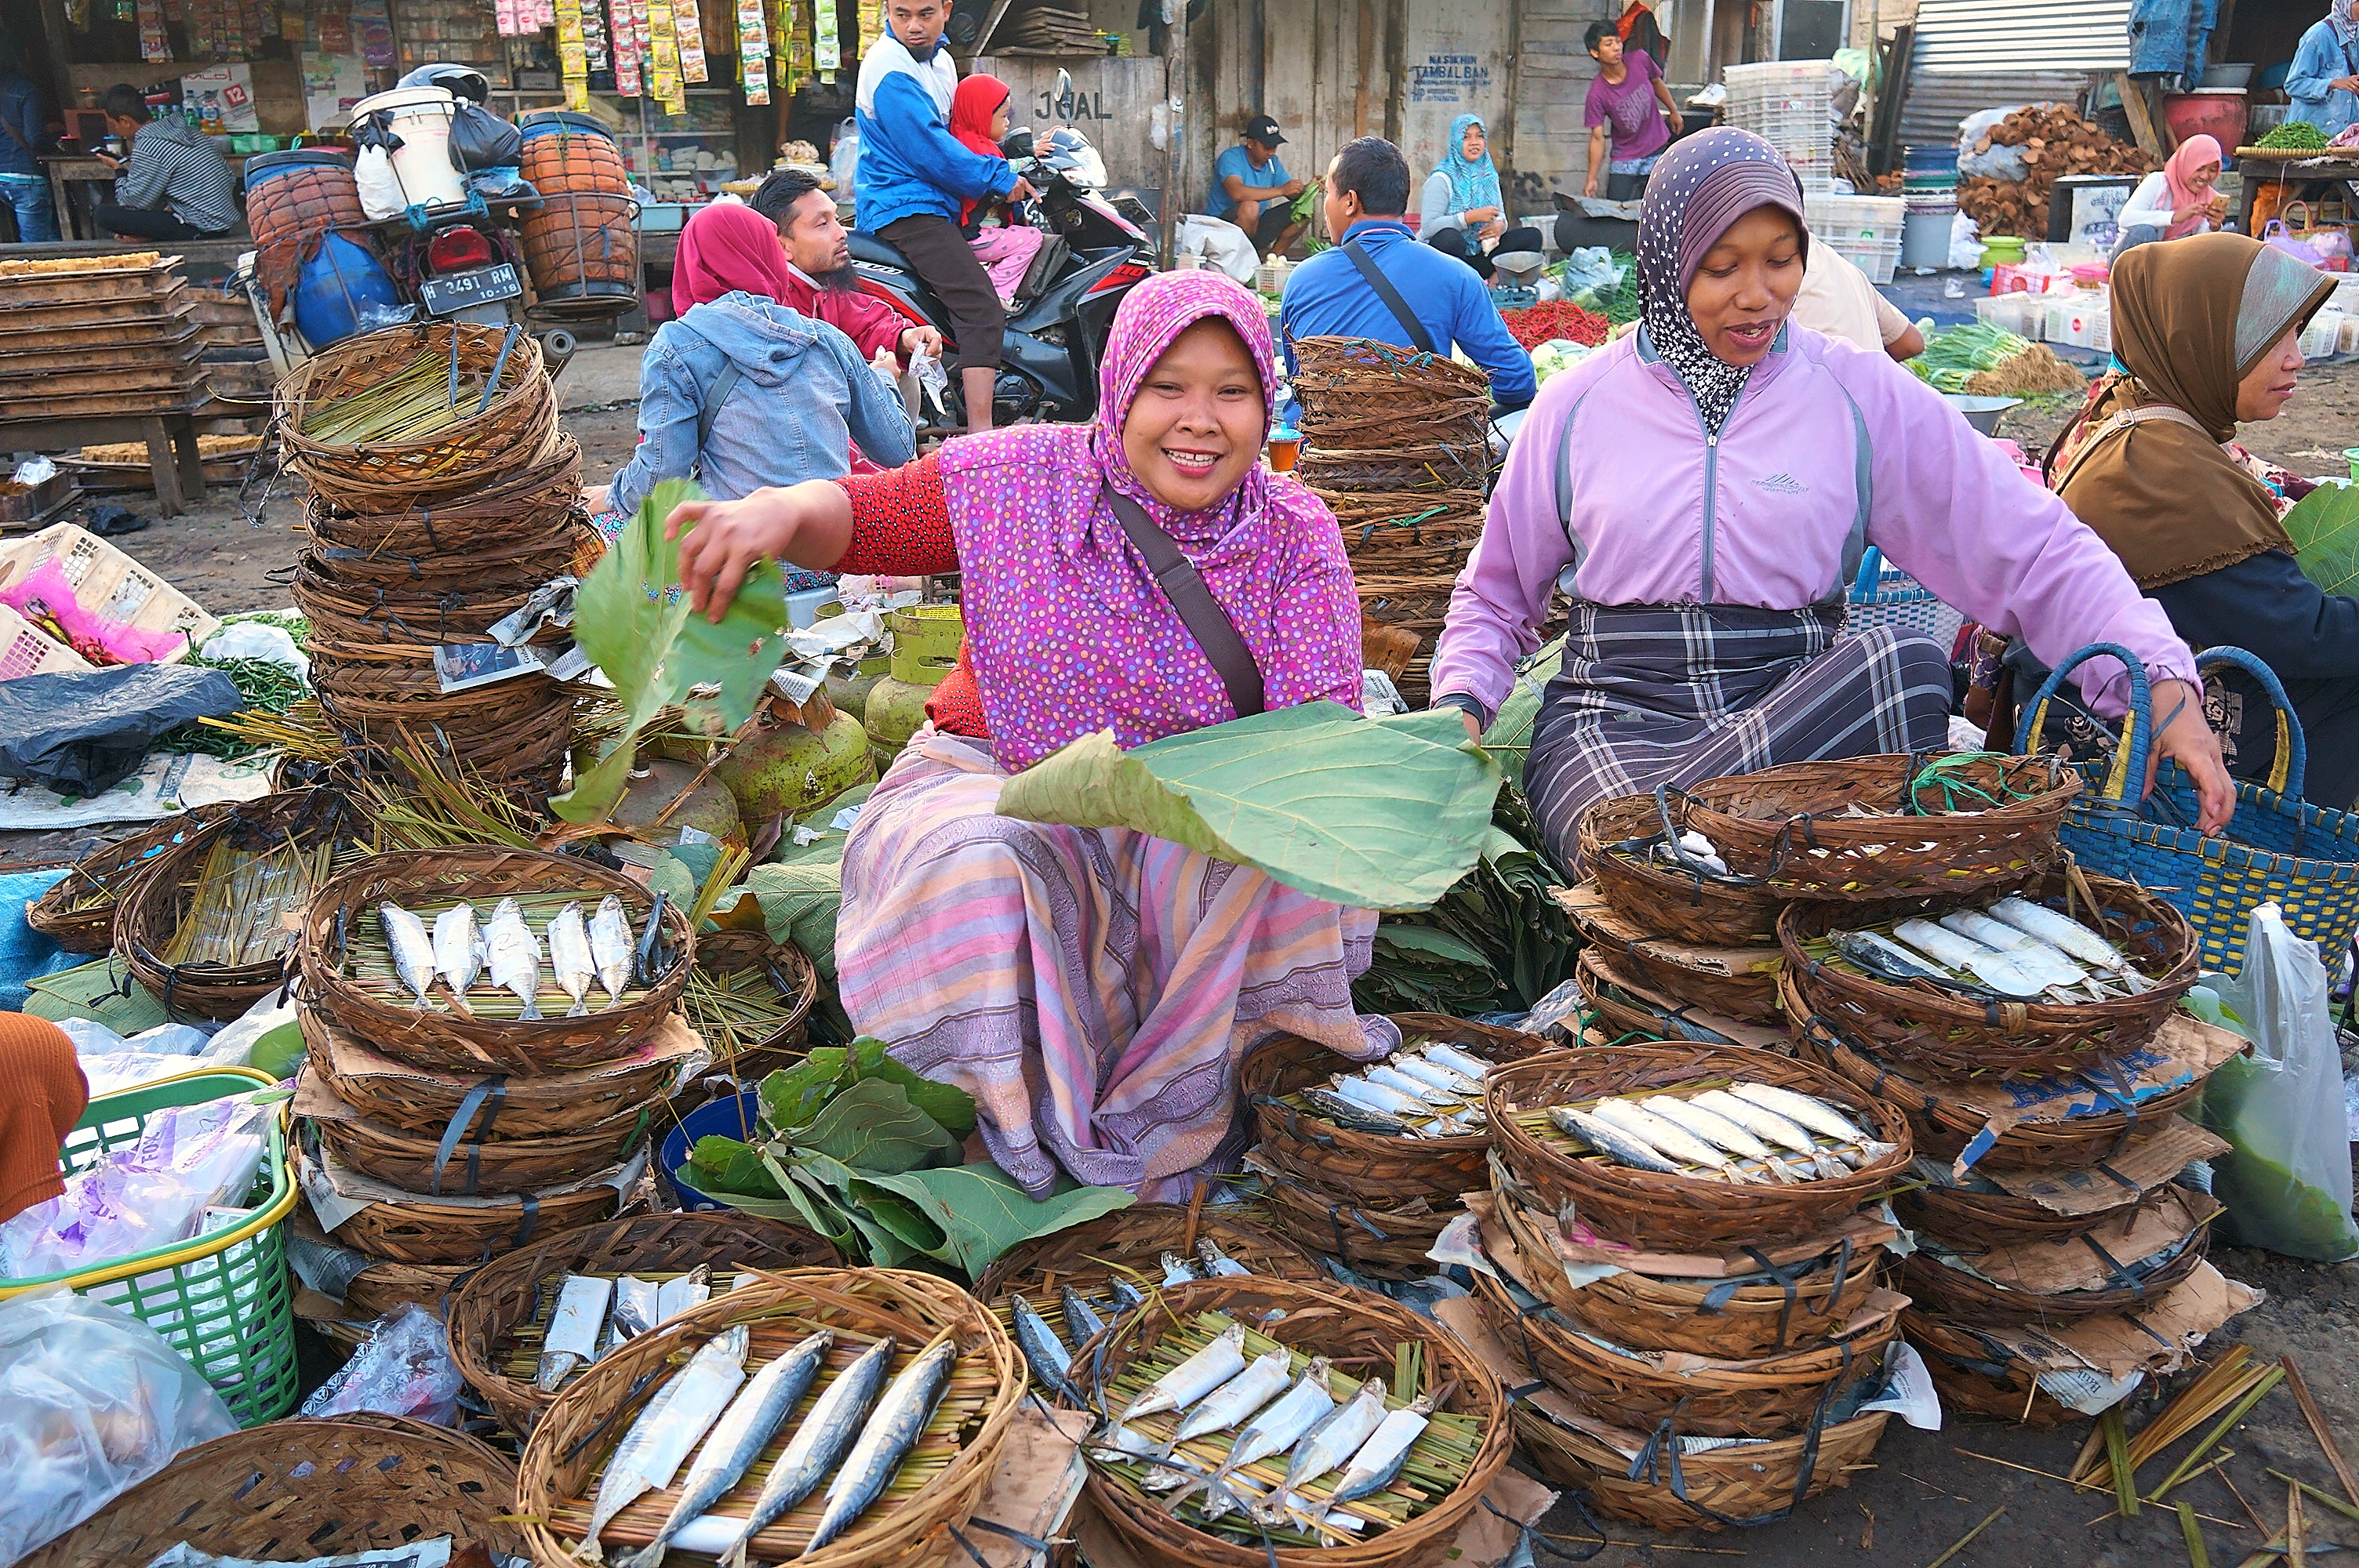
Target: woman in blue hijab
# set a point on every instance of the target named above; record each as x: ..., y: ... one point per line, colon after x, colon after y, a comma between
x: 1461, y: 210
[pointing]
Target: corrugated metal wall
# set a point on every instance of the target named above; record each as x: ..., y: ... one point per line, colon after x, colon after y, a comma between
x: 1937, y: 102
x: 1956, y: 36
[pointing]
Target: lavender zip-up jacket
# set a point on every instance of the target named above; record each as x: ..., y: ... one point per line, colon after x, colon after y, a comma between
x: 1830, y: 448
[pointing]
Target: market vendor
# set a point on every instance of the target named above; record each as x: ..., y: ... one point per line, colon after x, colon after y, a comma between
x: 820, y: 281
x: 1460, y: 211
x: 2177, y: 200
x: 1094, y: 990
x: 42, y: 1096
x: 1712, y: 481
x: 174, y: 186
x: 2207, y: 331
x: 1253, y: 191
x: 2323, y: 81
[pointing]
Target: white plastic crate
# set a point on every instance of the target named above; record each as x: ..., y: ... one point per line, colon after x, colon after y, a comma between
x: 2081, y: 321
x: 2322, y: 339
x: 1857, y: 218
x: 26, y: 650
x: 108, y: 582
x: 1875, y: 257
x: 2025, y: 314
x: 1778, y: 75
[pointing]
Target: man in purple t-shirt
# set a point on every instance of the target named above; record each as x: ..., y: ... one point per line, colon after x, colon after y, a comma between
x: 1626, y: 96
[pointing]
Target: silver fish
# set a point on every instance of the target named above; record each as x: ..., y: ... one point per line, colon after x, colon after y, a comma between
x: 1705, y: 1124
x: 1115, y: 1444
x: 412, y: 950
x: 753, y: 1417
x: 1330, y: 1443
x: 1277, y: 1429
x: 1239, y: 1398
x: 689, y: 1406
x: 1432, y: 1074
x: 686, y: 1293
x: 1808, y: 1109
x: 2047, y: 963
x: 1379, y: 1096
x: 1350, y: 1114
x: 1372, y: 1469
x: 2064, y: 932
x: 514, y: 955
x: 572, y: 1337
x: 1993, y: 968
x: 1082, y: 1320
x: 569, y: 955
x: 1178, y: 1271
x: 1458, y: 1061
x: 1415, y: 1089
x: 900, y: 1418
x: 1885, y: 959
x: 610, y: 947
x: 1125, y: 1295
x: 1216, y: 1263
x: 1051, y: 1361
x: 1608, y: 1139
x: 1758, y: 1119
x: 1665, y: 1136
x: 1190, y: 1380
x: 830, y: 1429
x: 458, y: 948
x: 637, y: 1308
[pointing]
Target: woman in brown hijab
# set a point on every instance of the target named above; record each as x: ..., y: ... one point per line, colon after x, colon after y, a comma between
x: 2206, y: 327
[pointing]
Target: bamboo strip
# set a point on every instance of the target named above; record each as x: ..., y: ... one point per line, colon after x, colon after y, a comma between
x: 2319, y: 1429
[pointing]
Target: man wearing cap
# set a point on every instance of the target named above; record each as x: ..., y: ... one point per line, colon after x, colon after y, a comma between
x: 1259, y: 191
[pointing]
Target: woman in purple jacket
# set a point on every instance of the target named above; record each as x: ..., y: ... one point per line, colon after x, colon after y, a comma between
x: 1704, y: 488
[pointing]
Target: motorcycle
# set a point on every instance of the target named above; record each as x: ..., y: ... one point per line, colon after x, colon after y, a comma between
x: 1057, y: 335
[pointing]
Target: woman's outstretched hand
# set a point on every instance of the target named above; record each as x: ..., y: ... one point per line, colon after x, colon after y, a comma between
x: 809, y: 524
x: 2186, y: 738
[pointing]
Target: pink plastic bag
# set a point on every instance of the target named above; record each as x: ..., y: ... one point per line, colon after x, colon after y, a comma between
x: 47, y: 594
x: 403, y: 1368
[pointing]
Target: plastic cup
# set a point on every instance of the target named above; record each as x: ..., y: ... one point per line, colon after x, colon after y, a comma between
x: 1284, y: 450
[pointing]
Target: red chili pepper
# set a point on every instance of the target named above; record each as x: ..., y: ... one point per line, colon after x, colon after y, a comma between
x: 1557, y: 319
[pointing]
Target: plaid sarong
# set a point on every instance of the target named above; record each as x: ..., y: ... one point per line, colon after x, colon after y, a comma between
x: 1675, y: 694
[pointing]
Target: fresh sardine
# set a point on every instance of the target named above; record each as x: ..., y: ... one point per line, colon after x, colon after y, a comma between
x: 458, y: 949
x: 412, y: 950
x: 1239, y: 1399
x: 1665, y: 1137
x: 753, y: 1417
x: 1758, y: 1119
x: 819, y: 1444
x: 697, y: 1396
x: 573, y: 1327
x: 2047, y: 963
x: 638, y: 1306
x: 1350, y: 1114
x: 610, y: 947
x: 1808, y: 1109
x: 569, y: 955
x: 900, y: 1417
x: 2062, y: 930
x: 1051, y: 1361
x: 688, y: 1293
x: 1330, y: 1443
x: 1402, y: 1083
x: 1993, y: 968
x: 1082, y: 1320
x: 1125, y: 1295
x: 1372, y: 1469
x: 1458, y: 1061
x: 1215, y: 1263
x: 1705, y: 1124
x: 1276, y: 1429
x: 1434, y: 1074
x: 1377, y: 1096
x: 1178, y: 1271
x: 514, y: 955
x: 1609, y: 1140
x: 1190, y: 1380
x: 1886, y: 960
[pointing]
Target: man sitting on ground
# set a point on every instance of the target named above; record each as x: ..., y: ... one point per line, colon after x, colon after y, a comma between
x: 820, y: 282
x: 1259, y: 193
x: 174, y: 186
x: 914, y: 176
x: 1436, y: 301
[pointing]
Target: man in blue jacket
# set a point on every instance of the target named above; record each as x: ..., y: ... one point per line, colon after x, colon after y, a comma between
x: 914, y: 176
x: 1332, y: 294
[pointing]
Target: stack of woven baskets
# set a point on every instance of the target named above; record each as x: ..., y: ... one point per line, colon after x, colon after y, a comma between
x: 433, y: 1138
x: 420, y: 546
x: 1659, y: 1307
x: 1397, y: 443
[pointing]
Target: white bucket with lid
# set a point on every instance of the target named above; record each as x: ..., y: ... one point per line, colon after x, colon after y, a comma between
x: 421, y: 117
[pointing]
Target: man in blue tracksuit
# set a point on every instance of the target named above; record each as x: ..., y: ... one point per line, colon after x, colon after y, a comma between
x: 914, y: 176
x: 1330, y: 296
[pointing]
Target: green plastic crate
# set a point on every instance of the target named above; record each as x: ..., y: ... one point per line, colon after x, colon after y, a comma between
x: 224, y: 1299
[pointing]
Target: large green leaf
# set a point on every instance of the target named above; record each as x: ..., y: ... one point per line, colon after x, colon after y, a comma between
x: 872, y: 1126
x: 2324, y: 528
x: 717, y: 1165
x: 946, y: 1103
x: 982, y: 1211
x: 1382, y: 814
x: 792, y: 1096
x: 635, y: 628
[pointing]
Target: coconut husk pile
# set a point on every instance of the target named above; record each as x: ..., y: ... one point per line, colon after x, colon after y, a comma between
x: 2055, y: 141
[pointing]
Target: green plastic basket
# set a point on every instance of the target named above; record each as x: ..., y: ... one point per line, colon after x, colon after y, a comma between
x: 222, y: 1300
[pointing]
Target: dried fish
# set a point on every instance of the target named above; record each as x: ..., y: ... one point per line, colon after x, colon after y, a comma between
x: 1665, y: 1136
x: 1954, y: 952
x: 900, y: 1417
x: 1402, y: 1083
x: 1377, y: 1096
x: 1808, y: 1109
x: 1379, y: 1459
x: 2063, y: 932
x: 1082, y: 1320
x: 1450, y: 1082
x: 1701, y: 1121
x: 2047, y: 963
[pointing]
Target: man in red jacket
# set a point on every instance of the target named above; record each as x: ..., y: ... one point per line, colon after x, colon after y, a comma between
x: 820, y: 282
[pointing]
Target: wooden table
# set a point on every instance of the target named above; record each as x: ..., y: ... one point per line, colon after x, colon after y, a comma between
x: 173, y: 456
x: 2289, y: 166
x: 67, y: 170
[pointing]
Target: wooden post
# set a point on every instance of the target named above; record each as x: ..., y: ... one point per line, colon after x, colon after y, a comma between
x: 1175, y: 93
x: 1502, y: 133
x: 1367, y: 66
x: 2134, y: 103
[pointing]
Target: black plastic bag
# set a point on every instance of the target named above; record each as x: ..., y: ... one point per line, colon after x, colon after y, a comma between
x: 481, y: 139
x: 84, y: 733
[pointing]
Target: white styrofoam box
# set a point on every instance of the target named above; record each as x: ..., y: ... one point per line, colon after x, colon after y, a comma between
x: 1875, y: 257
x: 2025, y: 314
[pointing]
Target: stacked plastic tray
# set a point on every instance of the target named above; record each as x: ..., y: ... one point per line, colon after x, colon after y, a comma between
x: 1863, y: 229
x: 1789, y: 103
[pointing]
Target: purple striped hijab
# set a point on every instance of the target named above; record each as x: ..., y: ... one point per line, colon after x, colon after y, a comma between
x: 1700, y: 187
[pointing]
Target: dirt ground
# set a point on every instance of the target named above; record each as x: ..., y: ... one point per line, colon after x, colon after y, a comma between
x: 1924, y: 1490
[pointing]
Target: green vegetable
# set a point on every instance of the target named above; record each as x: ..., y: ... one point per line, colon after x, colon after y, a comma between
x: 1378, y: 814
x: 1951, y: 357
x: 2299, y: 133
x: 2324, y: 528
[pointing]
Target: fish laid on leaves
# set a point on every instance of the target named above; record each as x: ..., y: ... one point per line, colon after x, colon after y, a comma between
x: 753, y: 1417
x: 1458, y: 1061
x: 1666, y: 1138
x: 1330, y: 1443
x: 1409, y: 1084
x: 1757, y: 1119
x: 1360, y: 1091
x: 458, y: 950
x: 1448, y: 1081
x: 900, y: 1418
x: 1276, y: 1429
x: 1810, y: 1110
x: 569, y: 955
x: 1194, y: 1377
x: 1239, y: 1399
x: 514, y: 955
x: 1963, y: 956
x: 412, y: 950
x: 611, y: 946
x: 833, y: 1424
x: 675, y: 1421
x: 2048, y: 964
x: 1885, y: 959
x: 573, y: 1329
x: 1609, y: 1141
x: 1708, y: 1125
x: 2064, y: 932
x: 1349, y: 1113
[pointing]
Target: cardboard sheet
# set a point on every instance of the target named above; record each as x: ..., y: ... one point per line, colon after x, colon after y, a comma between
x: 1598, y: 920
x: 2148, y: 1161
x: 671, y: 1040
x: 2157, y: 1340
x: 1597, y: 1256
x: 2048, y: 1267
x: 1034, y: 1488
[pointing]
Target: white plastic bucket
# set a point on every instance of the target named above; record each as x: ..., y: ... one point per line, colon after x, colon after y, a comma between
x: 421, y: 117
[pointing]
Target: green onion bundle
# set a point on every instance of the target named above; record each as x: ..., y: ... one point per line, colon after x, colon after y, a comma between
x: 1952, y: 358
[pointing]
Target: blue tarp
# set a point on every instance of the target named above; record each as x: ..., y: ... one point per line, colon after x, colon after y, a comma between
x: 25, y: 953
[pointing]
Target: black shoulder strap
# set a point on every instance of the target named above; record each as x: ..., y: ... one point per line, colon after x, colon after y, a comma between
x: 1417, y: 335
x: 714, y: 397
x: 1198, y: 611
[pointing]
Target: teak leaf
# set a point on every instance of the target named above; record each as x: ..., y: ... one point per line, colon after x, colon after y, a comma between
x: 2324, y: 528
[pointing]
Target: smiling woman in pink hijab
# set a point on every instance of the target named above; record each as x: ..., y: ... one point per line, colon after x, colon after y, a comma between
x: 1093, y: 989
x: 2176, y: 200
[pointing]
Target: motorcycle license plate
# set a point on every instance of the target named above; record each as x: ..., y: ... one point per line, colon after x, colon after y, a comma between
x: 485, y: 286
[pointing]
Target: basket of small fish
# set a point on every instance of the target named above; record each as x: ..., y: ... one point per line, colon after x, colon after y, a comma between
x: 205, y: 926
x: 2068, y: 971
x: 748, y: 997
x: 526, y: 1325
x: 1734, y: 982
x: 460, y: 1162
x: 393, y: 952
x: 834, y: 1416
x: 77, y: 912
x: 1376, y: 1235
x: 1709, y: 1486
x: 1234, y: 1438
x: 1664, y: 879
x: 1687, y: 1146
x: 2117, y: 1267
x: 1980, y: 1375
x: 1901, y: 826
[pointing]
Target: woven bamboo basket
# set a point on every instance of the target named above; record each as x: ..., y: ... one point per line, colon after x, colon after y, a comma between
x: 1979, y: 1376
x: 1418, y: 604
x: 301, y: 1489
x: 516, y: 564
x: 1736, y: 982
x: 1649, y: 1208
x: 151, y: 910
x: 486, y: 449
x: 583, y: 250
x: 1612, y: 994
x: 387, y: 695
x: 1961, y: 1217
x: 1365, y: 1333
x: 956, y: 1456
x: 425, y: 1230
x: 424, y: 613
x: 1963, y: 1036
x: 1710, y: 911
x: 340, y: 922
x: 1753, y: 1484
x: 1445, y: 469
x: 1939, y: 1289
x: 530, y: 502
x: 1357, y: 392
x: 1131, y: 1242
x: 1382, y: 1168
x: 1769, y: 1397
x: 1389, y: 1240
x: 1787, y: 826
x: 78, y: 913
x: 789, y: 974
x: 383, y: 1288
x: 1704, y: 1318
x: 472, y: 1168
x: 503, y: 1308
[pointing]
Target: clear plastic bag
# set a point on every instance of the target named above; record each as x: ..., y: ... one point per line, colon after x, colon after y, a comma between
x: 154, y: 1192
x: 2288, y: 1184
x: 403, y: 1368
x: 91, y: 1404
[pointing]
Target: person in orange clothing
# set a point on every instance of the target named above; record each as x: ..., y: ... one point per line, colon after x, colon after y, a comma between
x: 42, y: 1096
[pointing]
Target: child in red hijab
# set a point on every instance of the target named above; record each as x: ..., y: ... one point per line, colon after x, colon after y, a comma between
x: 979, y: 119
